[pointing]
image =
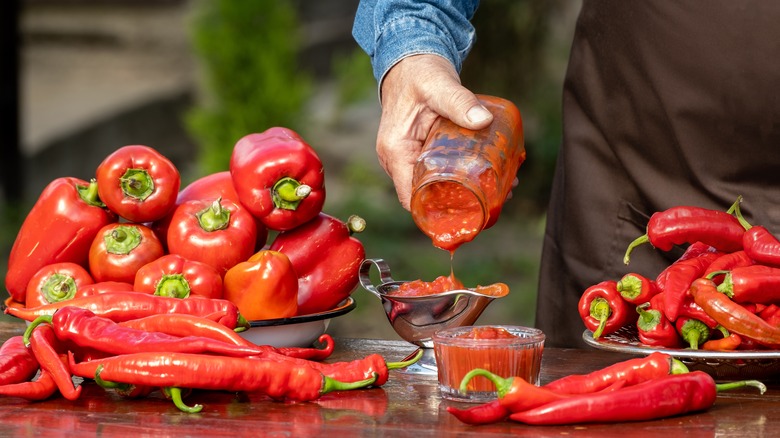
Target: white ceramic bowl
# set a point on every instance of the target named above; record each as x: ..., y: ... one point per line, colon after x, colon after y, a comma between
x: 296, y: 331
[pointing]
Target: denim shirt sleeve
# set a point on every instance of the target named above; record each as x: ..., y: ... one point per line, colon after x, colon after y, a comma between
x: 390, y: 30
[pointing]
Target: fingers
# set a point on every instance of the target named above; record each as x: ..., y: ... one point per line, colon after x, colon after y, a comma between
x: 415, y: 92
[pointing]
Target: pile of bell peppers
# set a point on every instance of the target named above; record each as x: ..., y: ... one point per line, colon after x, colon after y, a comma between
x: 254, y: 234
x: 722, y: 293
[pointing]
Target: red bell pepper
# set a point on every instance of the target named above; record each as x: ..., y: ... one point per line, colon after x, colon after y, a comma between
x: 218, y: 232
x: 138, y: 183
x: 56, y: 282
x: 212, y: 186
x: 263, y: 287
x: 17, y: 362
x: 174, y: 276
x: 60, y: 227
x: 326, y: 257
x: 278, y: 177
x: 603, y: 310
x: 120, y: 249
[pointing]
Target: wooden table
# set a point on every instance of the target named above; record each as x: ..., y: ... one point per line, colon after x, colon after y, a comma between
x: 408, y: 405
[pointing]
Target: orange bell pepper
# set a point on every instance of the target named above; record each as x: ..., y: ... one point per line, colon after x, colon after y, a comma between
x: 263, y: 287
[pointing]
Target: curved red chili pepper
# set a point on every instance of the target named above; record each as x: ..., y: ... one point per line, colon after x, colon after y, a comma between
x: 696, y: 249
x: 757, y: 284
x: 124, y: 306
x: 727, y: 262
x: 631, y: 371
x: 658, y: 398
x: 83, y: 328
x: 734, y: 317
x: 47, y: 351
x: 729, y: 341
x: 40, y: 389
x: 17, y: 363
x: 685, y: 224
x: 679, y: 277
x: 202, y: 371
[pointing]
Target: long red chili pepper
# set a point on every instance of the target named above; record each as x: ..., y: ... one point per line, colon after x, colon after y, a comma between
x: 200, y: 371
x: 47, y: 351
x: 513, y: 392
x: 631, y: 371
x: 679, y: 277
x: 83, y: 328
x: 603, y: 310
x: 734, y: 317
x: 124, y: 306
x: 686, y: 224
x: 178, y: 324
x: 727, y: 262
x: 696, y: 249
x: 40, y: 389
x: 657, y: 398
x: 17, y: 363
x: 752, y: 284
x: 729, y: 341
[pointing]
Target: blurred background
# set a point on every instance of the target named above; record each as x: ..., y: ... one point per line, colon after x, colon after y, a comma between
x: 190, y: 77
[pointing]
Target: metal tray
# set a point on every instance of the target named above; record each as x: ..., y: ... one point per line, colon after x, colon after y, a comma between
x: 721, y: 365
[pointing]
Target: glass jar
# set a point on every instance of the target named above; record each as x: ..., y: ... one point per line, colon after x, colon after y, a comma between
x: 463, y: 177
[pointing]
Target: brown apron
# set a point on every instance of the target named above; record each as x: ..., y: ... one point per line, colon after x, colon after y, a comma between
x: 665, y: 103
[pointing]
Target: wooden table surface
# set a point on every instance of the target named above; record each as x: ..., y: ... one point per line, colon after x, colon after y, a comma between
x: 407, y: 405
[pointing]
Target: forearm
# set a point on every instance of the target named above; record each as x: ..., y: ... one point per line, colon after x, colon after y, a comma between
x: 390, y: 30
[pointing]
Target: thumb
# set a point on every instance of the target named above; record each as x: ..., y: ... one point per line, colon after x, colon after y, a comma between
x: 463, y: 108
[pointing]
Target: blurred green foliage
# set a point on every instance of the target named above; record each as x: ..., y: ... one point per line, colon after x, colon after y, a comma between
x: 251, y: 78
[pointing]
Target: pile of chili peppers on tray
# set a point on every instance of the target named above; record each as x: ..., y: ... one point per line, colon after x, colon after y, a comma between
x: 651, y: 387
x: 135, y: 347
x: 254, y: 234
x: 722, y: 294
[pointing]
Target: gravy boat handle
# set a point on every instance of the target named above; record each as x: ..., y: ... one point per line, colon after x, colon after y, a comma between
x: 365, y: 275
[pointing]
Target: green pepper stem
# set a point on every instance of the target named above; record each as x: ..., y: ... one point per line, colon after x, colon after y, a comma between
x: 287, y: 193
x: 735, y: 210
x: 89, y: 194
x: 356, y: 224
x: 122, y: 240
x: 176, y: 397
x: 678, y: 367
x: 137, y: 183
x: 215, y: 217
x: 404, y: 364
x: 600, y: 310
x: 35, y: 323
x: 329, y: 384
x: 502, y: 384
x: 173, y: 285
x: 109, y: 385
x: 638, y: 241
x: 727, y: 386
x: 59, y: 287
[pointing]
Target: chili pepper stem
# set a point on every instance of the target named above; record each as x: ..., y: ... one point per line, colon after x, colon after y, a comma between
x: 638, y: 241
x: 110, y: 385
x: 600, y: 310
x: 35, y: 323
x: 137, y: 183
x: 404, y: 364
x: 330, y: 385
x: 678, y: 367
x: 502, y: 384
x: 89, y: 194
x: 727, y: 386
x: 288, y: 193
x: 176, y: 397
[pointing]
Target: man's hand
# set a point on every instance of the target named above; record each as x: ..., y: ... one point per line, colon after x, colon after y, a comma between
x: 415, y: 92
